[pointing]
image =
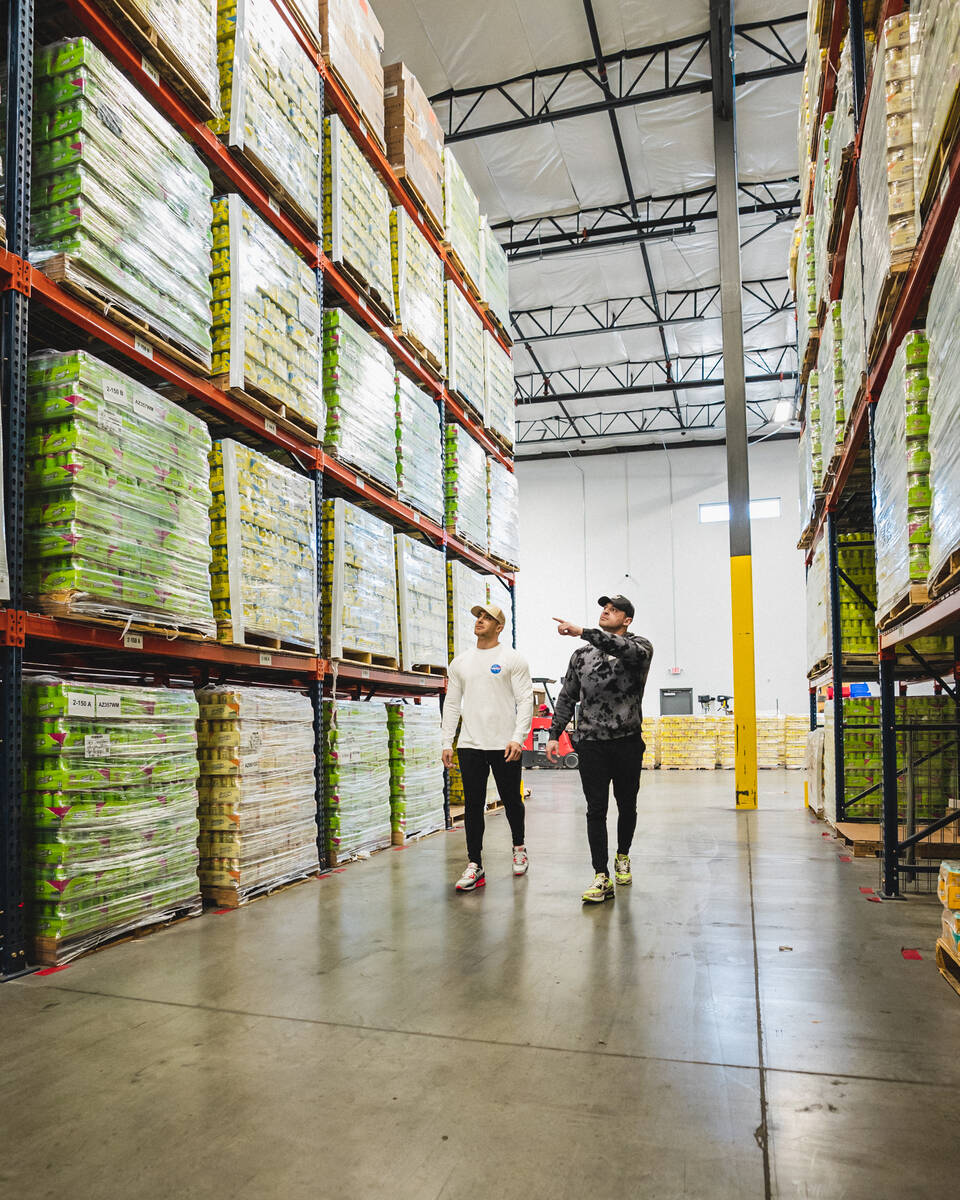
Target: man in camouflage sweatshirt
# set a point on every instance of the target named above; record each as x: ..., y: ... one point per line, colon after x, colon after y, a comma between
x: 607, y: 676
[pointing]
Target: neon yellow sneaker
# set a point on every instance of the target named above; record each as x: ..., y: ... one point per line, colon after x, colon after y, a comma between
x: 621, y: 870
x: 601, y: 889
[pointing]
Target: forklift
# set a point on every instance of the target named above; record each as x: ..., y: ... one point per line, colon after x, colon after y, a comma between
x: 535, y: 747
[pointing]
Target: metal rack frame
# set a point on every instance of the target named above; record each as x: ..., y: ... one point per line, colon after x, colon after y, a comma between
x: 22, y: 286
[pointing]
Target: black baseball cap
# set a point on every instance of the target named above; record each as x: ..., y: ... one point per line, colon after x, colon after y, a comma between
x: 620, y: 602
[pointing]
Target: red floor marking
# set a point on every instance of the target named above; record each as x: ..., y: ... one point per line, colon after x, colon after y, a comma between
x: 824, y: 834
x: 52, y: 970
x: 339, y: 870
x: 845, y: 858
x: 399, y: 847
x: 218, y: 912
x: 867, y: 891
x: 874, y: 899
x: 912, y: 955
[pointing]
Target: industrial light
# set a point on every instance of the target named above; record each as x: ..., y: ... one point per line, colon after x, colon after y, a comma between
x: 783, y: 412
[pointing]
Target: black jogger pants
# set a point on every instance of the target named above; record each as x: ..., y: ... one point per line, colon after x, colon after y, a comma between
x: 617, y: 761
x: 475, y: 765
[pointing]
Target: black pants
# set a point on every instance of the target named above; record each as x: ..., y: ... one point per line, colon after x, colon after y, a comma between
x: 617, y: 761
x: 475, y: 765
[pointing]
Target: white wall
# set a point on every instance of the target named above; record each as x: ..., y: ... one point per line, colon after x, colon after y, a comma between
x: 606, y: 524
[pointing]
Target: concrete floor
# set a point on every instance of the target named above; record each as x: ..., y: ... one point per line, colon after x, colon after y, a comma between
x: 741, y: 1023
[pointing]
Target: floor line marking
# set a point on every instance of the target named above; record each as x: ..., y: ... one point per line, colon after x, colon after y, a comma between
x: 762, y: 1133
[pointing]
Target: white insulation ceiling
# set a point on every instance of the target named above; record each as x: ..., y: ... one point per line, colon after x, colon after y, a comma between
x: 572, y: 164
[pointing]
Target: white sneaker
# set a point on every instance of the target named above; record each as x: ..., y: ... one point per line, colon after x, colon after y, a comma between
x: 472, y: 878
x: 520, y: 860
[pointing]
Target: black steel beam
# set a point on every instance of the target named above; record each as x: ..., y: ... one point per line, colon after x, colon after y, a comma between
x: 644, y: 75
x: 642, y: 219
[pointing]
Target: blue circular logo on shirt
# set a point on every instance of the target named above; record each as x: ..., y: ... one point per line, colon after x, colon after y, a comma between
x: 495, y: 669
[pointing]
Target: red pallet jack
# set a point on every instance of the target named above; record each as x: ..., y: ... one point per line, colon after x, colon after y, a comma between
x: 535, y: 747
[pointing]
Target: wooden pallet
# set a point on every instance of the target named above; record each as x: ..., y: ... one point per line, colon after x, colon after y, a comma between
x: 428, y: 669
x: 49, y: 952
x: 129, y: 16
x: 810, y: 356
x: 464, y: 274
x: 467, y: 404
x: 433, y: 221
x: 501, y: 562
x: 947, y: 575
x: 270, y: 409
x: 865, y: 839
x: 278, y: 191
x: 840, y: 203
x: 227, y: 897
x: 370, y: 295
x: 372, y: 133
x: 377, y: 484
x: 342, y: 860
x: 427, y: 358
x: 369, y: 660
x: 889, y: 295
x: 851, y: 662
x: 73, y: 277
x: 261, y: 641
x: 947, y: 965
x: 52, y: 607
x: 910, y: 603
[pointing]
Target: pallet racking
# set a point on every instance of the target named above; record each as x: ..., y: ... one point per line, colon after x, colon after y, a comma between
x: 26, y: 295
x: 846, y: 504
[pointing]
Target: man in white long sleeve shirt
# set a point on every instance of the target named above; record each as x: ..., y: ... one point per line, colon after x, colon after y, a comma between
x: 490, y: 691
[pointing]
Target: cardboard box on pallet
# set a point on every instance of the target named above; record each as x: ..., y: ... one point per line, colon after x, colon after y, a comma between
x: 117, y: 498
x: 356, y: 778
x: 110, y: 811
x: 416, y: 771
x: 96, y: 137
x: 266, y: 313
x: 352, y: 44
x: 422, y: 602
x: 263, y: 533
x: 359, y: 584
x: 414, y: 137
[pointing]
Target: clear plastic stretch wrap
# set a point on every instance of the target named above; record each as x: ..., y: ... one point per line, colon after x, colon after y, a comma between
x: 356, y: 212
x: 461, y: 216
x: 936, y: 71
x: 815, y: 425
x: 814, y: 771
x: 416, y: 772
x: 500, y: 594
x: 857, y: 559
x: 768, y: 742
x: 806, y: 290
x: 258, y: 805
x: 854, y: 349
x: 270, y: 94
x: 495, y: 275
x: 805, y: 475
x: 359, y: 390
x: 414, y: 138
x: 464, y: 348
x: 186, y: 32
x: 352, y: 44
x: 793, y: 741
x: 822, y: 207
x: 935, y: 777
x: 818, y: 607
x: 503, y: 527
x: 263, y: 533
x: 109, y: 811
x: 943, y: 328
x: 901, y: 474
x: 465, y: 487
x: 417, y: 286
x: 726, y: 733
x: 117, y: 498
x: 419, y: 450
x: 499, y: 402
x: 835, y: 318
x: 688, y: 743
x: 465, y: 588
x: 888, y: 218
x: 805, y: 123
x: 356, y: 769
x: 651, y: 740
x: 831, y: 422
x: 121, y: 193
x: 844, y: 128
x: 422, y: 593
x: 359, y: 583
x: 266, y: 315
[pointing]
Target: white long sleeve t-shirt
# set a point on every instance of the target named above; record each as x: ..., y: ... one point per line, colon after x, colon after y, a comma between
x: 492, y: 692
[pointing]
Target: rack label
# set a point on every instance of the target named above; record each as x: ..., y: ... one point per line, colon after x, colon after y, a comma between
x: 150, y: 70
x: 269, y: 426
x: 416, y: 518
x: 266, y: 660
x: 273, y: 204
x: 79, y: 705
x: 108, y: 706
x: 96, y: 745
x: 365, y: 673
x: 115, y: 391
x: 110, y: 421
x: 143, y: 347
x: 133, y: 641
x: 360, y: 483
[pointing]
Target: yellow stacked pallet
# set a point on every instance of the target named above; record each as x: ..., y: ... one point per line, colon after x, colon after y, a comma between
x: 688, y: 743
x: 651, y: 739
x: 726, y: 730
x: 768, y: 743
x: 793, y: 746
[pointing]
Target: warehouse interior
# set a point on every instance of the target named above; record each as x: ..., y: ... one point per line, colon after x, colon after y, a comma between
x: 335, y: 335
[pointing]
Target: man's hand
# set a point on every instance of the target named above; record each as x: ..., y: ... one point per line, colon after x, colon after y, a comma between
x: 553, y: 751
x: 566, y: 629
x: 447, y: 757
x: 513, y: 751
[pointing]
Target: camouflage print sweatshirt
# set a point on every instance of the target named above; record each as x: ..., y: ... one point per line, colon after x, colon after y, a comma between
x: 607, y: 677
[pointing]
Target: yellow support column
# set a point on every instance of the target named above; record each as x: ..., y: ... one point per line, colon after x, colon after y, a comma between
x: 744, y: 682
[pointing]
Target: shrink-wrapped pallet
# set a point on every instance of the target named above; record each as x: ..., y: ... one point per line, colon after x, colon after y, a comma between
x: 815, y: 425
x: 818, y: 607
x: 270, y: 93
x: 888, y: 219
x: 901, y: 474
x: 465, y: 487
x: 822, y: 208
x: 418, y: 288
x: 805, y: 476
x: 854, y: 350
x: 943, y: 326
x: 651, y: 742
x: 793, y: 746
x: 416, y: 770
x: 461, y: 216
x: 501, y: 595
x: 359, y: 585
x: 844, y: 128
x: 806, y: 287
x: 356, y: 213
x: 688, y: 743
x: 830, y: 377
x: 183, y: 34
x: 352, y: 44
x: 266, y: 315
x: 498, y: 390
x: 258, y: 804
x: 414, y: 138
x: 936, y: 69
x: 356, y: 778
x: 422, y: 595
x: 465, y: 589
x: 117, y: 498
x: 359, y: 391
x: 495, y: 279
x: 109, y: 811
x: 464, y: 349
x: 420, y: 452
x: 120, y: 202
x: 503, y: 525
x: 813, y: 764
x: 768, y: 743
x: 857, y: 560
x: 263, y: 533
